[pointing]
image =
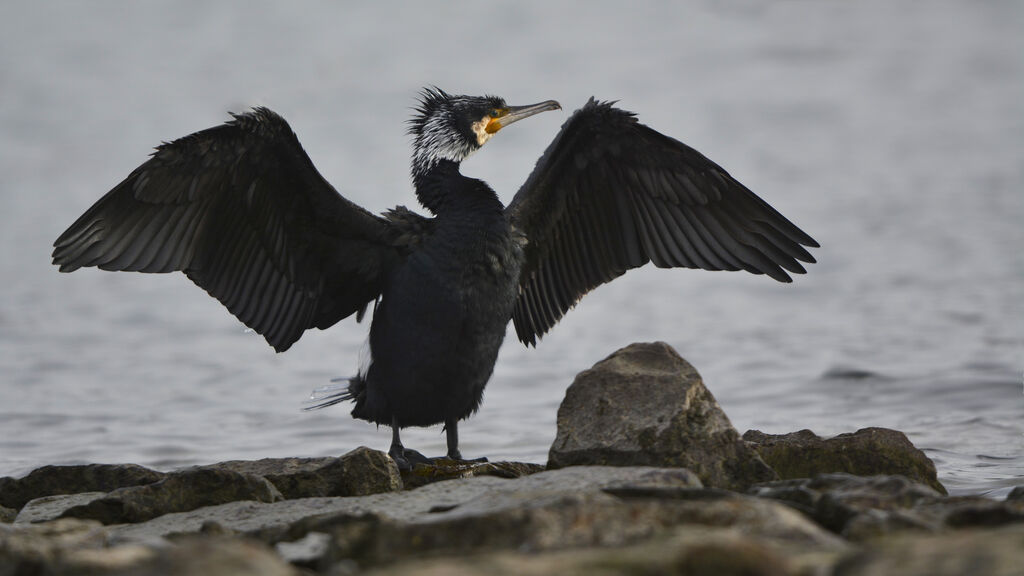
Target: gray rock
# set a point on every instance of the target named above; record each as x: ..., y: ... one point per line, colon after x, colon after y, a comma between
x: 1016, y: 494
x: 687, y: 549
x: 970, y: 511
x: 445, y: 469
x: 834, y: 499
x: 102, y: 561
x: 53, y: 507
x: 306, y: 551
x: 71, y: 547
x: 51, y: 480
x: 866, y: 452
x: 369, y: 472
x: 177, y: 492
x: 540, y: 521
x: 358, y: 473
x: 211, y: 556
x: 293, y: 519
x: 36, y: 548
x: 861, y: 508
x: 993, y: 552
x: 646, y: 406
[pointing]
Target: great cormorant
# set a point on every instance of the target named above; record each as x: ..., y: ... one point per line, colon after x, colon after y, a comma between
x: 242, y: 211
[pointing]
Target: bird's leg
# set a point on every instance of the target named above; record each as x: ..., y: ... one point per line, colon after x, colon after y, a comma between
x: 451, y: 428
x: 403, y: 456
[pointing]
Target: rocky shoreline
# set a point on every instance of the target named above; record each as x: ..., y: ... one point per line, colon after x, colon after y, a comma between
x: 646, y: 476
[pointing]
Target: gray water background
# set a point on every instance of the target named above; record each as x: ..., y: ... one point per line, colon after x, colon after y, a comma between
x: 892, y: 132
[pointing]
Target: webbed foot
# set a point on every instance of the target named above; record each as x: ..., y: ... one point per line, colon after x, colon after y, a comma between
x: 457, y: 458
x: 406, y: 458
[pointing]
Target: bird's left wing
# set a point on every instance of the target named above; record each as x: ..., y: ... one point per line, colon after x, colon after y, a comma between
x: 610, y: 194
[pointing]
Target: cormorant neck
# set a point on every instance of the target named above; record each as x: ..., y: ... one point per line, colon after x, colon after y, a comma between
x: 433, y: 180
x: 442, y: 189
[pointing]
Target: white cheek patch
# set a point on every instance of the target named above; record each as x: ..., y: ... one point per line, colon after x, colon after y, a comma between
x: 480, y: 129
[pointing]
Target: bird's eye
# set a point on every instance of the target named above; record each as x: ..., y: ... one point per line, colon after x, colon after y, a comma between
x: 495, y: 113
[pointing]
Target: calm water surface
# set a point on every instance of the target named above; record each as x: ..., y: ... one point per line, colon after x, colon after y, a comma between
x: 894, y: 134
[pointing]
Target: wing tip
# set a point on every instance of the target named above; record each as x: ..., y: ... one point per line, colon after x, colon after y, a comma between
x: 65, y: 267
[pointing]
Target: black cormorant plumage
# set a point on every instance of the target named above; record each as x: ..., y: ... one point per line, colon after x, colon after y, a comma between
x: 242, y: 211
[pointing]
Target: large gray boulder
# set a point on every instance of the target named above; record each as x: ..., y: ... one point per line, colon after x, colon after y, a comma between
x: 646, y: 406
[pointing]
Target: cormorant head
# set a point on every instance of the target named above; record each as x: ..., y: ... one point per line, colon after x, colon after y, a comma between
x: 448, y: 127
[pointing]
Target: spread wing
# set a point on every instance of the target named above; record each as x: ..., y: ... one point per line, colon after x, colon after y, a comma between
x: 242, y: 211
x: 611, y: 194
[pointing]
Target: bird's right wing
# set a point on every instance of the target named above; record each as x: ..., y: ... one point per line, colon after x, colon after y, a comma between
x: 242, y: 211
x: 611, y: 194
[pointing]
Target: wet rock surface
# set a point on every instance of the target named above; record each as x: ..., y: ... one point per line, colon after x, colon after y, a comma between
x: 866, y: 452
x: 695, y: 512
x: 646, y: 406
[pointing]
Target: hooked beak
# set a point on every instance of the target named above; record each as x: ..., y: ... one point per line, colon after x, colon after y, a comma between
x: 517, y: 113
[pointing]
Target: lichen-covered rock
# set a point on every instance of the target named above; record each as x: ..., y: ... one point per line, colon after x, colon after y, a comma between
x: 646, y: 406
x: 177, y: 492
x: 7, y: 515
x: 51, y: 480
x: 358, y: 473
x: 993, y: 552
x: 445, y: 469
x: 866, y: 452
